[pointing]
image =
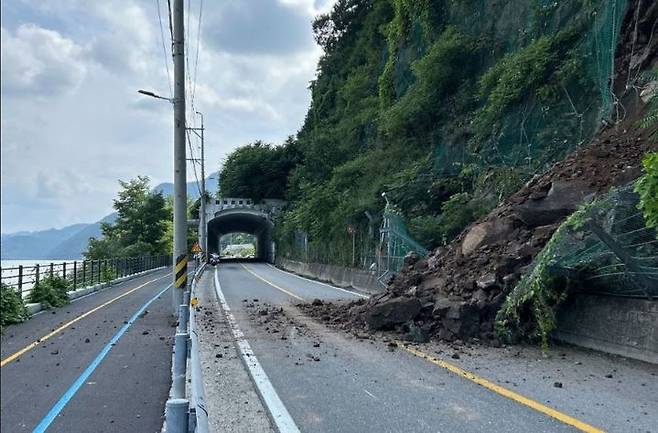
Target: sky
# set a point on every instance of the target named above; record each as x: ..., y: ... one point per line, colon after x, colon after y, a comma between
x: 72, y: 122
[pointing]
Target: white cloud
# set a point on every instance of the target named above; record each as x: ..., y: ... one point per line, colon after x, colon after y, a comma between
x: 73, y: 123
x: 39, y: 61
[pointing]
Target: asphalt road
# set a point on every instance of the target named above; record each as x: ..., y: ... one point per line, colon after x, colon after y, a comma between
x: 127, y: 389
x: 330, y: 383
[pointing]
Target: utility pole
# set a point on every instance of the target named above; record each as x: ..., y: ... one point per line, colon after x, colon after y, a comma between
x: 180, y: 161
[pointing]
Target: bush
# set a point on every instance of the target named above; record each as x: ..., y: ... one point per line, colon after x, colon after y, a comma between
x: 12, y: 308
x: 51, y: 291
x: 647, y: 188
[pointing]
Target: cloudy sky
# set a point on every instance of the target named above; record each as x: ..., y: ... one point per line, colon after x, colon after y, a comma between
x: 73, y: 123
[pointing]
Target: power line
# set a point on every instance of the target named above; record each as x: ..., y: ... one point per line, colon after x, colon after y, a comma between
x: 164, y: 49
x: 198, y: 48
x: 171, y: 25
x: 194, y: 162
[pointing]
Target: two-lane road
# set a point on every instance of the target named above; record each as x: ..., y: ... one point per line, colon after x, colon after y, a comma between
x: 331, y: 383
x: 99, y: 364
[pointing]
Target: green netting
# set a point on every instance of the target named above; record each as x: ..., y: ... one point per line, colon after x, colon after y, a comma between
x: 614, y: 252
x: 605, y: 248
x: 543, y: 128
x: 395, y: 242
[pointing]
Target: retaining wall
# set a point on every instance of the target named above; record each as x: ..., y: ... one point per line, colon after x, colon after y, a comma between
x: 339, y: 276
x: 623, y: 326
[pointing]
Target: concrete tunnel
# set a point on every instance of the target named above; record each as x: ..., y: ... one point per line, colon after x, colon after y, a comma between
x: 243, y: 220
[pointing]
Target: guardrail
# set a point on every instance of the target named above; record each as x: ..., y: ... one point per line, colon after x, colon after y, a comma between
x: 185, y: 411
x: 80, y: 273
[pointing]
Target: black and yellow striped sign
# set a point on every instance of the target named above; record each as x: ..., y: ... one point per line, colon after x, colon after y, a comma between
x: 181, y: 272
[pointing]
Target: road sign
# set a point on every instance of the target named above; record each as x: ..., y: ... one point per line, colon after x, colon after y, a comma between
x: 196, y: 248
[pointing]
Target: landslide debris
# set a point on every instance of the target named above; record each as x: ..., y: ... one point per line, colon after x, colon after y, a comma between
x: 455, y: 293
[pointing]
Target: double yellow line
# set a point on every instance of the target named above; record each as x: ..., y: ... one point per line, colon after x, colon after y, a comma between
x: 38, y: 341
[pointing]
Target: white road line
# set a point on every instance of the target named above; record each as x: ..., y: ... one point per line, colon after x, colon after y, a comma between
x: 278, y: 412
x: 319, y: 282
x: 370, y: 394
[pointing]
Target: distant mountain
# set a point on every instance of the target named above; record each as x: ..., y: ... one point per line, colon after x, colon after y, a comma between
x: 36, y: 245
x: 167, y: 188
x: 73, y: 247
x: 71, y: 241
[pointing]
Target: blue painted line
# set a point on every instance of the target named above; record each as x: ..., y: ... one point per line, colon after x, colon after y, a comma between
x: 73, y: 389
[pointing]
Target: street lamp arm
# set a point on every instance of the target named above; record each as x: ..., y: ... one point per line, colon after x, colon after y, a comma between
x: 153, y: 95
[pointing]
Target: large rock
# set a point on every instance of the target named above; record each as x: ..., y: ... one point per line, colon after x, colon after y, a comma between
x: 392, y: 312
x: 486, y: 233
x: 562, y: 199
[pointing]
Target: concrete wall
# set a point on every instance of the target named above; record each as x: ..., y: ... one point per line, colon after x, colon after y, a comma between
x: 337, y: 275
x: 623, y: 326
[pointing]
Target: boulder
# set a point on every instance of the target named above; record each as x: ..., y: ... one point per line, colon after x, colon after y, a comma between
x: 562, y: 199
x: 443, y: 305
x: 393, y: 312
x: 486, y: 233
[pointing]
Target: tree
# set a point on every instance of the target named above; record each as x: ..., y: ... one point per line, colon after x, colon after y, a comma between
x: 259, y: 170
x: 140, y: 227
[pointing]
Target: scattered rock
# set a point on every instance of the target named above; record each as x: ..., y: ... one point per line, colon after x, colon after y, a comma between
x: 557, y: 384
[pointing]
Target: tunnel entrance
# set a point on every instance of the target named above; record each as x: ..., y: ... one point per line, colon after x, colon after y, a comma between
x: 246, y: 221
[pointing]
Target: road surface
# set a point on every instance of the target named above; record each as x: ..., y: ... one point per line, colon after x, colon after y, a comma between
x: 54, y: 386
x: 329, y: 382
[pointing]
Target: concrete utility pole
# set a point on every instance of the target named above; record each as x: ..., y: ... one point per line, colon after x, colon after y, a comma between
x: 180, y: 172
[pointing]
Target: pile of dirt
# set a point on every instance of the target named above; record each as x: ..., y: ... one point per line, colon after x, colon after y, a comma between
x: 457, y: 290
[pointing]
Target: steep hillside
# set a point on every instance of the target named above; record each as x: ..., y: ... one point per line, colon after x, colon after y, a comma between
x: 448, y: 108
x: 456, y: 292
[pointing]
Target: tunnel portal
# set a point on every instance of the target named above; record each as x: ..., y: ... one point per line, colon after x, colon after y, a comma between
x: 243, y: 220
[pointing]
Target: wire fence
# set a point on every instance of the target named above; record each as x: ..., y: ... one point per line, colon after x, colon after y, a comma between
x: 80, y: 273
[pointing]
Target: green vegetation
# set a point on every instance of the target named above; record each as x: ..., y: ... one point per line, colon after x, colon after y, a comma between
x: 647, y: 188
x: 447, y: 107
x: 258, y: 171
x: 12, y: 308
x: 51, y: 291
x: 141, y: 227
x: 529, y: 310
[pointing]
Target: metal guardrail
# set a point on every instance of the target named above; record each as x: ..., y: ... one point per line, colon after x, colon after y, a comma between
x: 80, y: 273
x: 185, y: 411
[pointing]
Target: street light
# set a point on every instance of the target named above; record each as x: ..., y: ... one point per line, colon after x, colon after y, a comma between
x: 153, y: 95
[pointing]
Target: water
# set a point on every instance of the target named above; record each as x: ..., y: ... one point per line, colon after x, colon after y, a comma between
x: 10, y: 271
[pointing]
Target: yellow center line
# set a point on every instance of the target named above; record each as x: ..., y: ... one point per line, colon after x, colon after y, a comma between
x: 34, y: 344
x: 503, y: 391
x: 287, y: 292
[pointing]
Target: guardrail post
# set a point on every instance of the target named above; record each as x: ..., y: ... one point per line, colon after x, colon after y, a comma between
x: 183, y: 316
x: 36, y: 274
x: 64, y: 269
x: 52, y: 269
x: 20, y: 279
x: 176, y: 415
x: 99, y: 272
x: 180, y: 362
x: 75, y: 274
